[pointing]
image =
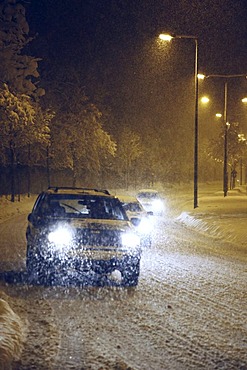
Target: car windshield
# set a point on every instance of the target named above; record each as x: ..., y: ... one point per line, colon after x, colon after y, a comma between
x: 147, y: 195
x: 74, y: 206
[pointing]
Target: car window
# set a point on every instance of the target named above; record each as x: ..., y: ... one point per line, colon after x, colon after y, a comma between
x: 37, y: 203
x: 148, y: 195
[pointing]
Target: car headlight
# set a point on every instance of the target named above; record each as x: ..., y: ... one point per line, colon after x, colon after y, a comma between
x: 145, y: 226
x: 158, y: 205
x: 130, y: 240
x: 61, y: 236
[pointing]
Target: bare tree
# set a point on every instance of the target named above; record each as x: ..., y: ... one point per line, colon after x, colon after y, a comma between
x: 129, y: 149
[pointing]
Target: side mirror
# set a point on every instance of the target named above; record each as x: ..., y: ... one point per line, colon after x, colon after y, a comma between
x: 135, y: 221
x: 35, y: 220
x: 30, y: 217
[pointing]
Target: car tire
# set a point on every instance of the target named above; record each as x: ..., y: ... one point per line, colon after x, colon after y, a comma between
x: 130, y: 275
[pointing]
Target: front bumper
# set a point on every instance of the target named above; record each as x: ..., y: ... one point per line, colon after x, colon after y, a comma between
x: 105, y: 259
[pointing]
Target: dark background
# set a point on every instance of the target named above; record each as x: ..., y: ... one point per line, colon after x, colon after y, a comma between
x: 114, y: 45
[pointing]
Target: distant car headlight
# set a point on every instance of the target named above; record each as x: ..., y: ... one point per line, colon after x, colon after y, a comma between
x: 145, y: 226
x: 130, y: 240
x: 158, y: 205
x: 61, y: 237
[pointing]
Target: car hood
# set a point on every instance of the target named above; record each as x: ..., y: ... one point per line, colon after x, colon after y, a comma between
x: 102, y: 224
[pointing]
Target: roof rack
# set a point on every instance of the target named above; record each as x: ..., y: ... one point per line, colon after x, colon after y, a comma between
x: 57, y: 188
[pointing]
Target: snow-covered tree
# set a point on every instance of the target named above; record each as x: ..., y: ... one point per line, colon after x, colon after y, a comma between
x: 22, y: 124
x: 17, y: 70
x: 78, y: 140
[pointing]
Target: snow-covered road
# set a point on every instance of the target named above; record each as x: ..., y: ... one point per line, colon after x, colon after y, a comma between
x: 188, y: 311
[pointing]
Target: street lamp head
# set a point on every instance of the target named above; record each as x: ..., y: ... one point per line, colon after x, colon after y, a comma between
x: 218, y: 115
x: 165, y: 37
x: 244, y: 100
x: 169, y: 37
x: 204, y: 99
x: 201, y: 76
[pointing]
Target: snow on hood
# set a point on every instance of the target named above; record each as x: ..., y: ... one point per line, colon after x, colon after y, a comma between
x: 101, y: 224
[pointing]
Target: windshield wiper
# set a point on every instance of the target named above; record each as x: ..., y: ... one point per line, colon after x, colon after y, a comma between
x: 71, y: 207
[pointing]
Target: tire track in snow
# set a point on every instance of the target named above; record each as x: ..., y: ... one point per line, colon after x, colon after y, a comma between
x: 13, y: 243
x: 193, y: 298
x: 178, y: 317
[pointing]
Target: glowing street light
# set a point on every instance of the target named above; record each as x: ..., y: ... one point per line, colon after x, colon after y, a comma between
x: 244, y: 100
x: 200, y: 76
x: 205, y: 100
x: 168, y: 37
x: 165, y: 37
x: 241, y: 138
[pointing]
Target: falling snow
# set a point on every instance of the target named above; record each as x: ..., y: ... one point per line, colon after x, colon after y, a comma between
x: 188, y: 311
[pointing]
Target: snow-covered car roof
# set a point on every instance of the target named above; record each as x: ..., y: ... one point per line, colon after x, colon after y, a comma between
x: 127, y: 198
x: 75, y: 190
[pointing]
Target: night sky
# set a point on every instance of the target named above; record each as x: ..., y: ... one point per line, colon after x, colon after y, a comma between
x: 114, y: 45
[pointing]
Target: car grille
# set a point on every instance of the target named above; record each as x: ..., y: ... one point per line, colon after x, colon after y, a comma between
x: 92, y: 237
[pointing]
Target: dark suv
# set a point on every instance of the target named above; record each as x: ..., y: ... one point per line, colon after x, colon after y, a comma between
x: 78, y: 233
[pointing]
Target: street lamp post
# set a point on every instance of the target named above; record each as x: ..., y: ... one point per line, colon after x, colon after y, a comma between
x: 226, y: 125
x: 196, y: 128
x: 241, y: 139
x: 225, y: 173
x: 167, y: 37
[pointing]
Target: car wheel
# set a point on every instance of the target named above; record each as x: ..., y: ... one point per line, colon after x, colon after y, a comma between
x: 130, y: 274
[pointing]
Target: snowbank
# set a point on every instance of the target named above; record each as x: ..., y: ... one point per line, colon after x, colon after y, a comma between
x: 211, y: 217
x: 10, y: 209
x: 11, y: 335
x: 218, y: 216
